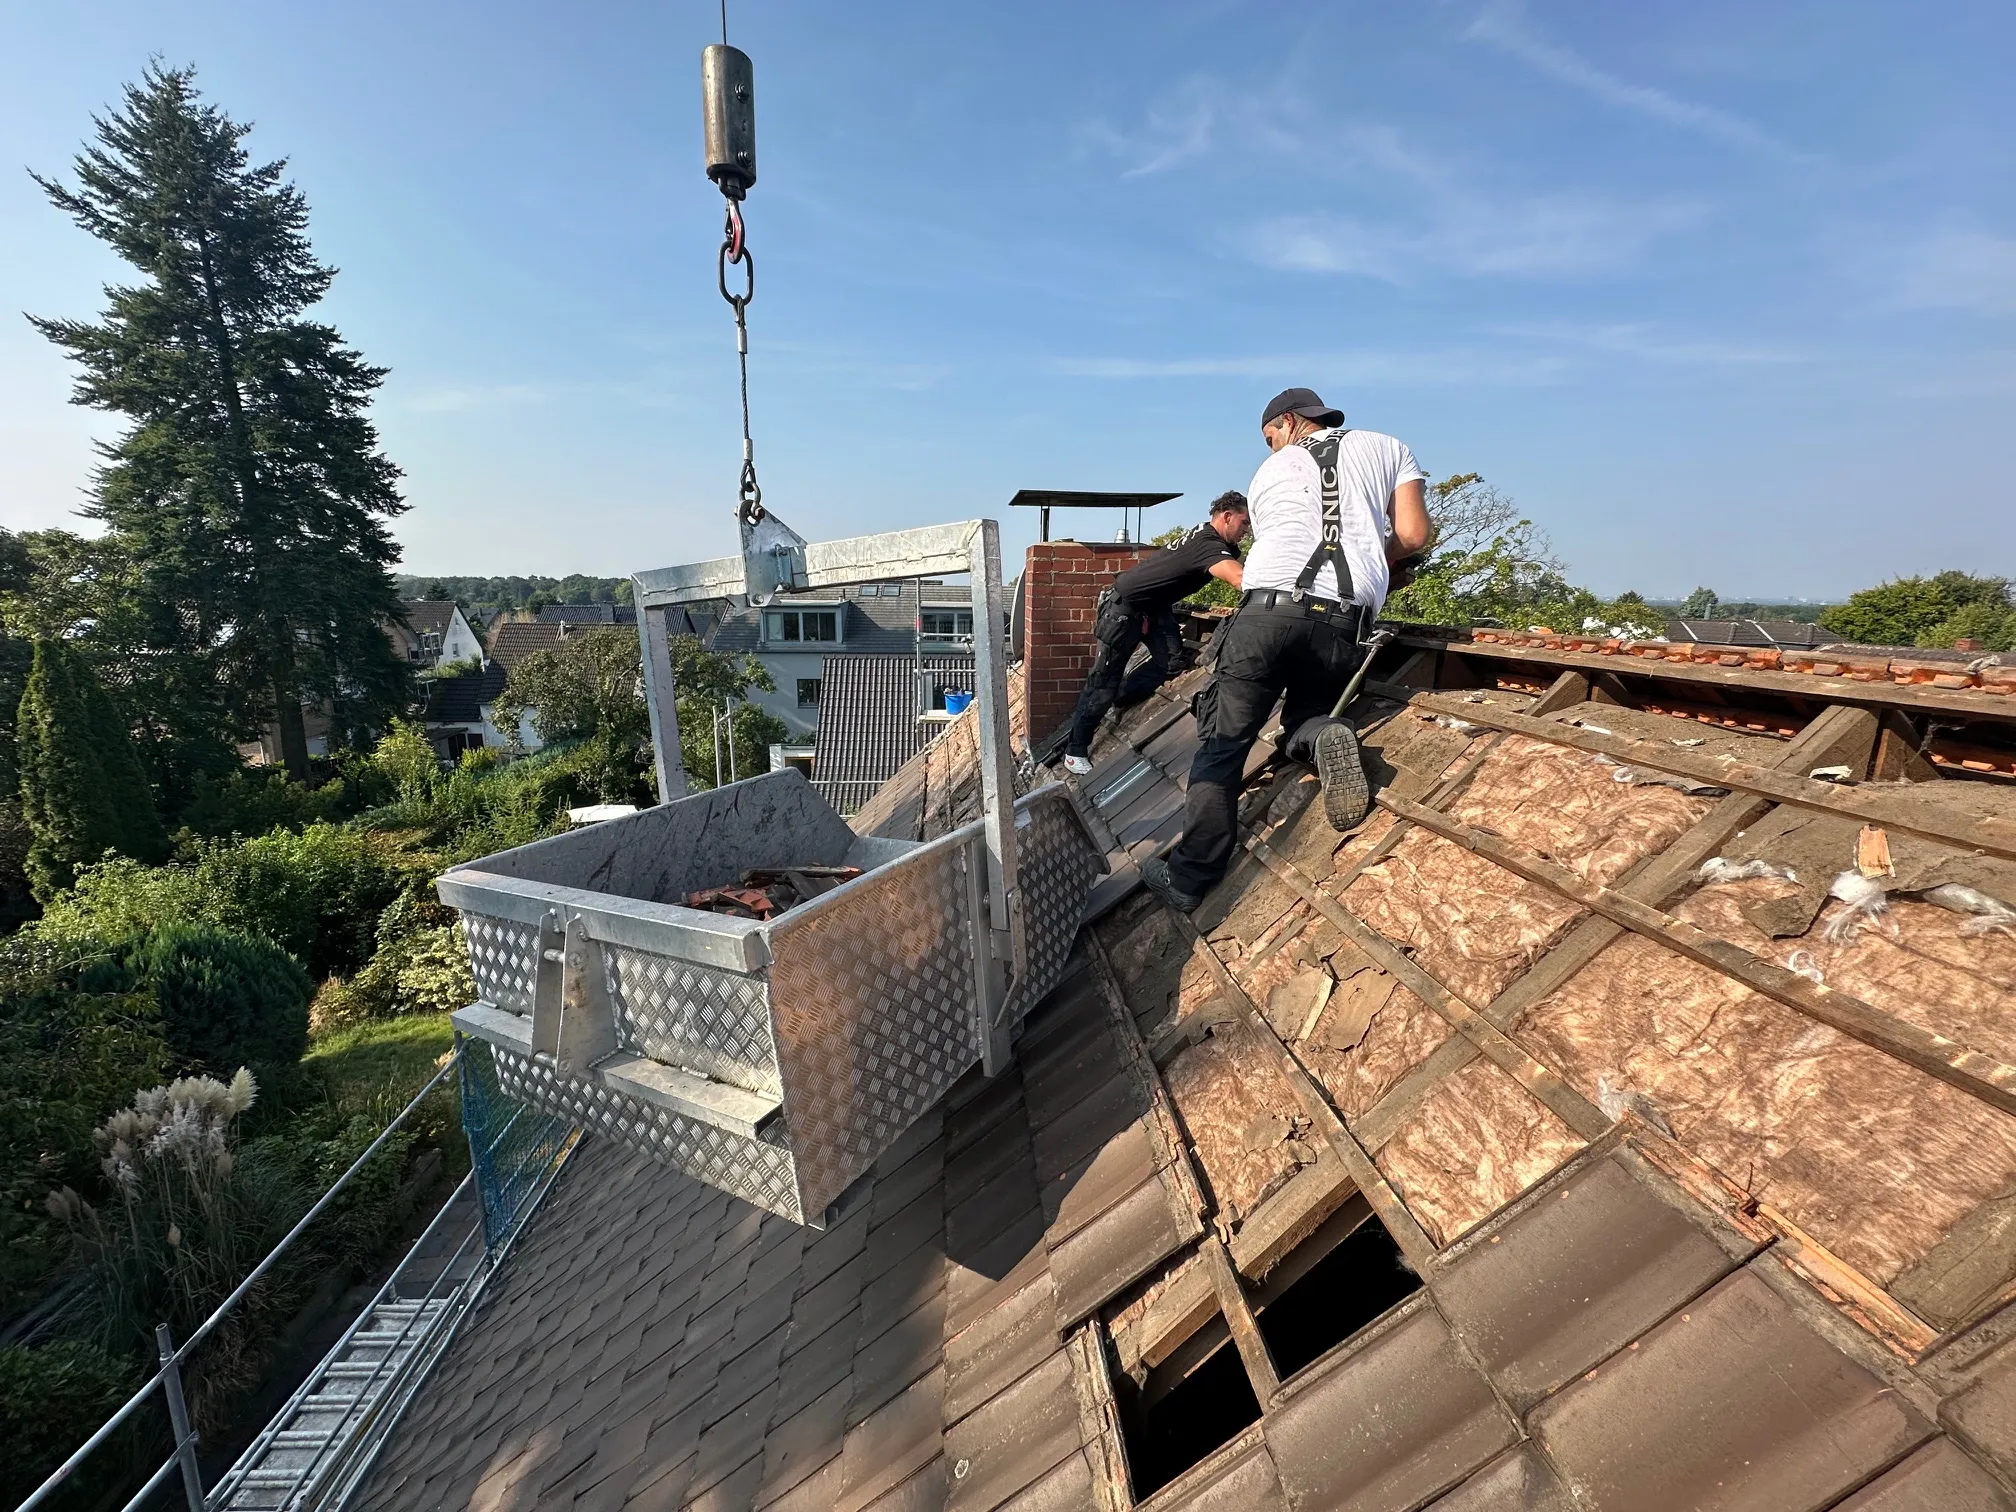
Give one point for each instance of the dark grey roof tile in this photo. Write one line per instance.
(1000, 1150)
(1388, 1421)
(801, 1441)
(921, 1492)
(985, 1277)
(1233, 1479)
(991, 1101)
(1519, 1480)
(1938, 1478)
(816, 1491)
(920, 1220)
(733, 1492)
(1984, 1415)
(868, 708)
(905, 1286)
(1067, 1488)
(1014, 1439)
(1000, 1346)
(1091, 1186)
(999, 1207)
(814, 1311)
(1113, 1251)
(1734, 1399)
(827, 1252)
(894, 1443)
(1575, 1275)
(826, 1360)
(886, 1364)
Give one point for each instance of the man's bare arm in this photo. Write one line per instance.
(1232, 572)
(1410, 521)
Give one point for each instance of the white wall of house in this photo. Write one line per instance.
(528, 738)
(787, 669)
(459, 642)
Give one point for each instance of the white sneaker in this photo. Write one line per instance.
(1078, 766)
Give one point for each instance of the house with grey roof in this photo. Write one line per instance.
(435, 633)
(794, 636)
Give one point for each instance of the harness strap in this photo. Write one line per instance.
(1329, 549)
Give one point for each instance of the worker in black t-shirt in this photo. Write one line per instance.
(1140, 606)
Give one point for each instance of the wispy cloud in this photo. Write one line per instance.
(1963, 270)
(1176, 128)
(1474, 235)
(1503, 24)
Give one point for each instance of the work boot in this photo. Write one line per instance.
(1078, 766)
(1346, 795)
(1156, 877)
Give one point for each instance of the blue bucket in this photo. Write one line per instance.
(957, 703)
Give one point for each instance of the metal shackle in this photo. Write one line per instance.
(728, 102)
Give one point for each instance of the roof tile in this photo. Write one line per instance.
(1014, 1439)
(1733, 1399)
(1938, 1478)
(1519, 1480)
(1574, 1276)
(1389, 1421)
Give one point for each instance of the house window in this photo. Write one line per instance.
(881, 590)
(945, 624)
(800, 625)
(808, 692)
(430, 642)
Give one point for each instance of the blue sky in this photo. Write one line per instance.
(1720, 293)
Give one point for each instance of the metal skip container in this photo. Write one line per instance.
(774, 1059)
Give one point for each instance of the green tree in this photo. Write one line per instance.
(82, 790)
(591, 689)
(1702, 603)
(1486, 563)
(1900, 611)
(1993, 628)
(248, 495)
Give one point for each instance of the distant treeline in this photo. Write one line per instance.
(488, 595)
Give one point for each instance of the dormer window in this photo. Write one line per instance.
(946, 623)
(801, 626)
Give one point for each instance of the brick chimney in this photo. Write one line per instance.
(1061, 584)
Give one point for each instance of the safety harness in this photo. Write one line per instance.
(1330, 548)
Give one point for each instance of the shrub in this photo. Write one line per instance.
(227, 999)
(188, 1218)
(52, 1398)
(317, 895)
(71, 1049)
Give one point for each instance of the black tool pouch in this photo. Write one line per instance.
(1114, 621)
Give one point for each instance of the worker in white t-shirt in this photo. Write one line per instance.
(1331, 510)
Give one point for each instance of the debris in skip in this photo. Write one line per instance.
(766, 892)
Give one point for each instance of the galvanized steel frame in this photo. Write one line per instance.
(970, 546)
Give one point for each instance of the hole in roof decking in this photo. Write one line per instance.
(1362, 1279)
(1166, 1433)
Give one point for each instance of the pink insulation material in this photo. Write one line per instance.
(1477, 1141)
(1241, 1115)
(1403, 1033)
(1471, 925)
(1568, 806)
(1873, 1158)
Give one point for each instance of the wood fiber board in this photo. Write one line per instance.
(1477, 1141)
(1875, 1159)
(1222, 1088)
(1469, 924)
(1403, 1033)
(1566, 805)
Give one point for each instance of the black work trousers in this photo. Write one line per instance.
(1118, 631)
(1306, 651)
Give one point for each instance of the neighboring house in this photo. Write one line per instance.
(587, 614)
(435, 634)
(875, 713)
(457, 713)
(795, 636)
(511, 641)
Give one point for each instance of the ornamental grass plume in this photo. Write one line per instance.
(189, 1220)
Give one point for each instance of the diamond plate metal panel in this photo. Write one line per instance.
(713, 1022)
(1058, 866)
(504, 955)
(873, 1000)
(758, 1171)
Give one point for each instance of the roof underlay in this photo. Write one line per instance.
(1484, 1157)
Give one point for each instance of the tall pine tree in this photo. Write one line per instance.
(249, 494)
(82, 790)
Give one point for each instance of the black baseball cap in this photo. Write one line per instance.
(1303, 402)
